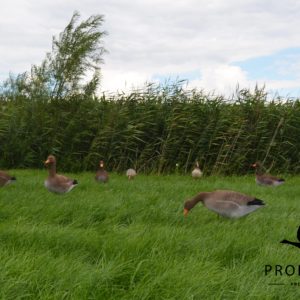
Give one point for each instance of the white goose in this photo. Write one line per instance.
(131, 173)
(197, 173)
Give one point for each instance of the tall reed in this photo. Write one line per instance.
(152, 129)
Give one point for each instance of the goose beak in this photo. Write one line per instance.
(47, 162)
(185, 212)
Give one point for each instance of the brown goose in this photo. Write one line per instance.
(226, 203)
(57, 183)
(131, 173)
(196, 173)
(101, 175)
(6, 179)
(265, 179)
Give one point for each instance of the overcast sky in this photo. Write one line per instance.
(214, 44)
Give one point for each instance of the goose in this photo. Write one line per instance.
(131, 173)
(265, 179)
(101, 175)
(6, 179)
(296, 244)
(226, 203)
(56, 183)
(196, 173)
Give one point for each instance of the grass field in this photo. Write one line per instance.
(129, 240)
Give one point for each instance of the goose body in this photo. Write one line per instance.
(226, 203)
(130, 173)
(101, 174)
(6, 179)
(56, 183)
(265, 179)
(197, 173)
(268, 180)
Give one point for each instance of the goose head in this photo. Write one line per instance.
(51, 160)
(254, 165)
(259, 169)
(101, 164)
(190, 203)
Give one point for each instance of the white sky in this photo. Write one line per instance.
(214, 44)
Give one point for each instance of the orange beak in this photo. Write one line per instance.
(185, 212)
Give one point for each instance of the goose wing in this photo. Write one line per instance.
(223, 208)
(3, 178)
(101, 175)
(231, 196)
(62, 181)
(4, 175)
(268, 179)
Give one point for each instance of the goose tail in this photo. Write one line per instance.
(256, 202)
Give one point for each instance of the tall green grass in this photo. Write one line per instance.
(152, 129)
(129, 240)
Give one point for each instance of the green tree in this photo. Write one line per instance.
(72, 67)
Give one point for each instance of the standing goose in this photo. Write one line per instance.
(6, 179)
(101, 175)
(131, 173)
(196, 173)
(57, 183)
(226, 203)
(265, 179)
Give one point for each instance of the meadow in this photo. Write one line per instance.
(130, 240)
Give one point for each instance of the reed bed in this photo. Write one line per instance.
(152, 129)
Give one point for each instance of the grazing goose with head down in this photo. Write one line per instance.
(265, 179)
(101, 175)
(6, 179)
(57, 183)
(226, 203)
(196, 173)
(131, 173)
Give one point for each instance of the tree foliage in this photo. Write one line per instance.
(76, 56)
